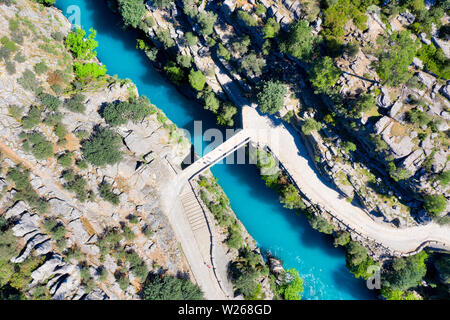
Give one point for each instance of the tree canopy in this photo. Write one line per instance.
(82, 48)
(132, 11)
(300, 41)
(324, 75)
(171, 288)
(271, 96)
(102, 148)
(291, 285)
(395, 57)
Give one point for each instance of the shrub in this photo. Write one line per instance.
(235, 237)
(89, 71)
(65, 160)
(260, 9)
(311, 126)
(102, 148)
(444, 178)
(82, 48)
(271, 96)
(55, 228)
(226, 114)
(271, 28)
(105, 191)
(174, 73)
(131, 11)
(342, 239)
(291, 285)
(247, 18)
(53, 119)
(10, 67)
(40, 147)
(320, 224)
(32, 119)
(206, 20)
(290, 198)
(418, 117)
(118, 113)
(128, 233)
(300, 40)
(171, 288)
(184, 60)
(253, 64)
(324, 75)
(197, 80)
(165, 38)
(24, 189)
(15, 111)
(349, 146)
(223, 52)
(50, 102)
(394, 59)
(76, 104)
(191, 39)
(435, 204)
(40, 67)
(78, 186)
(29, 81)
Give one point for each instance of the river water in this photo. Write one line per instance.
(277, 230)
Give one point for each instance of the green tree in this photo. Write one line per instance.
(206, 20)
(271, 96)
(171, 288)
(131, 11)
(342, 239)
(324, 75)
(226, 114)
(191, 39)
(197, 79)
(174, 72)
(105, 191)
(163, 3)
(210, 100)
(253, 64)
(406, 272)
(291, 285)
(89, 71)
(311, 126)
(76, 103)
(435, 204)
(102, 148)
(300, 40)
(271, 28)
(119, 113)
(320, 224)
(395, 57)
(82, 48)
(290, 198)
(247, 18)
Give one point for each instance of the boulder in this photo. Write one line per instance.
(445, 90)
(33, 242)
(28, 223)
(47, 269)
(18, 208)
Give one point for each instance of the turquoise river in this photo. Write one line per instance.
(277, 230)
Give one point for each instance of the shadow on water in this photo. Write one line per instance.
(275, 228)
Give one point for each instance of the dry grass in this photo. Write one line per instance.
(398, 130)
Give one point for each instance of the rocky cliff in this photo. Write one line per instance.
(83, 231)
